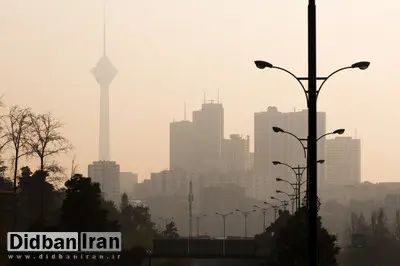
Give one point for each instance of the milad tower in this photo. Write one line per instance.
(104, 171)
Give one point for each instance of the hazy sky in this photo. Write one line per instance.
(168, 52)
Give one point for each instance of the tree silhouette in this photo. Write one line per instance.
(16, 126)
(45, 139)
(290, 239)
(170, 230)
(82, 210)
(37, 197)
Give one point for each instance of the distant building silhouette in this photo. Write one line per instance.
(181, 142)
(236, 153)
(209, 133)
(270, 146)
(343, 161)
(127, 182)
(197, 146)
(107, 174)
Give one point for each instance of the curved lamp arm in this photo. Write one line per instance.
(330, 75)
(285, 164)
(301, 143)
(291, 184)
(298, 80)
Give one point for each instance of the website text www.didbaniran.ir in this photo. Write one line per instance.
(64, 245)
(63, 256)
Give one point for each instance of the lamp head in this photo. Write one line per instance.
(272, 197)
(278, 179)
(361, 65)
(276, 162)
(339, 131)
(278, 191)
(321, 161)
(262, 64)
(278, 129)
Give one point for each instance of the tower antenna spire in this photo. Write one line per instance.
(104, 28)
(184, 111)
(218, 95)
(204, 100)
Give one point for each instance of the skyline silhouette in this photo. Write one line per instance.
(156, 77)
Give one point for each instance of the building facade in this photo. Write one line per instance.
(343, 161)
(270, 146)
(107, 174)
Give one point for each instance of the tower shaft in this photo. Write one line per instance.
(104, 138)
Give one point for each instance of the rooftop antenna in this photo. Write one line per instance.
(204, 99)
(184, 111)
(104, 28)
(355, 133)
(218, 95)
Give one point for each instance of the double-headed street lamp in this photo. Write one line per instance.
(311, 97)
(301, 140)
(264, 212)
(292, 198)
(245, 215)
(224, 216)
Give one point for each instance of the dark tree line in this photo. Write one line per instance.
(285, 241)
(380, 243)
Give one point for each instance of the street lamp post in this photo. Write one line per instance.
(284, 203)
(224, 216)
(298, 171)
(311, 97)
(275, 208)
(198, 223)
(245, 215)
(264, 212)
(292, 198)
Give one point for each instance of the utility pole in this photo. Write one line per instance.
(312, 135)
(190, 198)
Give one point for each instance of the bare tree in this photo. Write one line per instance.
(46, 140)
(16, 129)
(74, 167)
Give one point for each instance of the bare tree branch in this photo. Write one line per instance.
(16, 129)
(46, 140)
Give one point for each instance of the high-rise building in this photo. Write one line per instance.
(181, 142)
(271, 146)
(343, 161)
(127, 182)
(235, 153)
(208, 134)
(106, 173)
